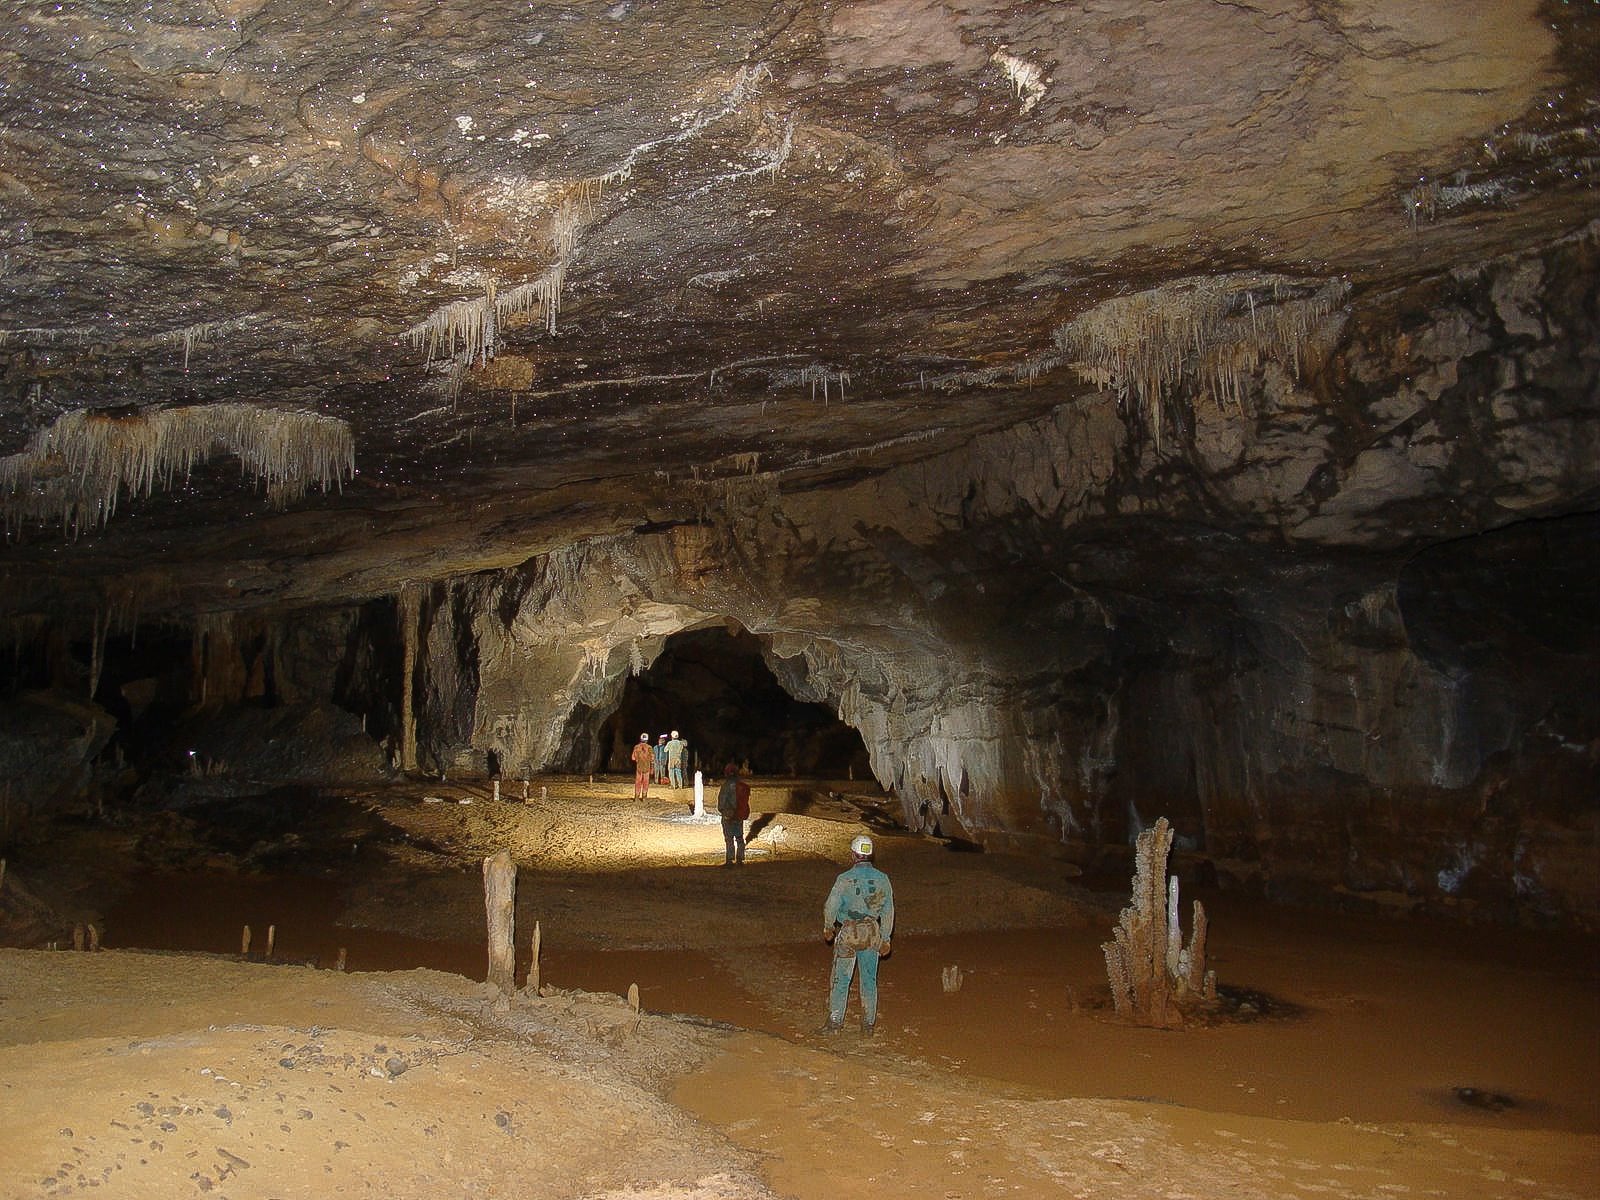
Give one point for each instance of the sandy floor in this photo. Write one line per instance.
(143, 1074)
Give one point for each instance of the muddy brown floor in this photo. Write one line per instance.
(1346, 1082)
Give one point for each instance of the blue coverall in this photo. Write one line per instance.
(858, 894)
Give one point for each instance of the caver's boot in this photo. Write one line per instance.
(868, 1028)
(832, 1025)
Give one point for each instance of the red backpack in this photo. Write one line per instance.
(742, 792)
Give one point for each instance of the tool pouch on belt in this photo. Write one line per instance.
(858, 934)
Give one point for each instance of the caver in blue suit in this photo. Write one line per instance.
(858, 920)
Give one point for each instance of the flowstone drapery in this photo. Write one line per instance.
(1155, 979)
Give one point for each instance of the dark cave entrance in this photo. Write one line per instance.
(714, 687)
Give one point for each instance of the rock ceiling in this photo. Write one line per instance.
(539, 268)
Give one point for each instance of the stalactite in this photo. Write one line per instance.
(197, 334)
(78, 468)
(468, 331)
(1215, 330)
(471, 327)
(98, 629)
(770, 162)
(922, 435)
(746, 84)
(409, 607)
(1027, 78)
(461, 326)
(541, 296)
(570, 219)
(1025, 371)
(214, 639)
(814, 374)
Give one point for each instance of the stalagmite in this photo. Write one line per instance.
(94, 937)
(244, 943)
(633, 996)
(499, 899)
(1154, 978)
(77, 937)
(533, 964)
(343, 958)
(699, 795)
(497, 791)
(272, 939)
(1174, 929)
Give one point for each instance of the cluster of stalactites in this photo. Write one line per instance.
(78, 468)
(469, 330)
(1216, 331)
(815, 374)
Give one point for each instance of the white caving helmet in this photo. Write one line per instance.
(644, 737)
(861, 846)
(674, 733)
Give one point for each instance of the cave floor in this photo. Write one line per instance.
(1344, 1083)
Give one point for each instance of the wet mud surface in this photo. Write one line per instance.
(1361, 1057)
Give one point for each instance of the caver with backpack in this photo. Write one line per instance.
(733, 806)
(858, 921)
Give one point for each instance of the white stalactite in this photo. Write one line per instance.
(77, 469)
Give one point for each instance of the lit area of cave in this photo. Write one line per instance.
(1105, 497)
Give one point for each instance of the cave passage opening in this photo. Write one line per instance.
(714, 686)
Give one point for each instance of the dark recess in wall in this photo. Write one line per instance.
(713, 686)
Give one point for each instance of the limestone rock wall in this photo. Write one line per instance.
(1061, 632)
(555, 640)
(48, 746)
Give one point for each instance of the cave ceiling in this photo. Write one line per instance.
(552, 265)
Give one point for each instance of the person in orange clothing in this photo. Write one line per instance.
(644, 764)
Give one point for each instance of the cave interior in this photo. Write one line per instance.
(1046, 417)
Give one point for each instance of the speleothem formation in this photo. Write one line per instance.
(1109, 411)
